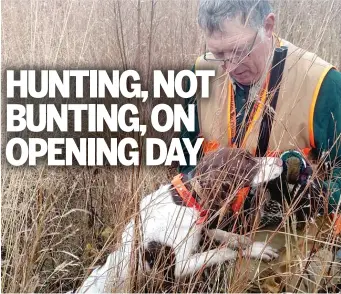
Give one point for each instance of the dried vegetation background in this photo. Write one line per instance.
(58, 222)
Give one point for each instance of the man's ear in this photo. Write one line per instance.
(269, 25)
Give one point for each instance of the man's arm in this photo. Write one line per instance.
(327, 132)
(191, 135)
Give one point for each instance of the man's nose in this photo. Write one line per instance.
(228, 66)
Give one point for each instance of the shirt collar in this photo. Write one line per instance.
(240, 86)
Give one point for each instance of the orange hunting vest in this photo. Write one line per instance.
(292, 127)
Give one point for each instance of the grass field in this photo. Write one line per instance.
(58, 222)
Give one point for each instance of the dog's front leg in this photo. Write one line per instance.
(195, 262)
(257, 250)
(231, 240)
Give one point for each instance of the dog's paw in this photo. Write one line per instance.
(259, 250)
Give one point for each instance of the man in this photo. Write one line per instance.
(240, 44)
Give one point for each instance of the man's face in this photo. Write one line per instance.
(245, 50)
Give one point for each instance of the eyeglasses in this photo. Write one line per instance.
(236, 58)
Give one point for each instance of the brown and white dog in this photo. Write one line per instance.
(168, 221)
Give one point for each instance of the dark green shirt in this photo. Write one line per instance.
(327, 128)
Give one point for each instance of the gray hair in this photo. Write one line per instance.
(212, 13)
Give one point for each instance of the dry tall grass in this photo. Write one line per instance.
(56, 222)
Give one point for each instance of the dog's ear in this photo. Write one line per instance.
(227, 167)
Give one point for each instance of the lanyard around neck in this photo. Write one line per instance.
(254, 116)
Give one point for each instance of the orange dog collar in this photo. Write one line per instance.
(188, 198)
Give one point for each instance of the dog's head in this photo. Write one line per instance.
(222, 173)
